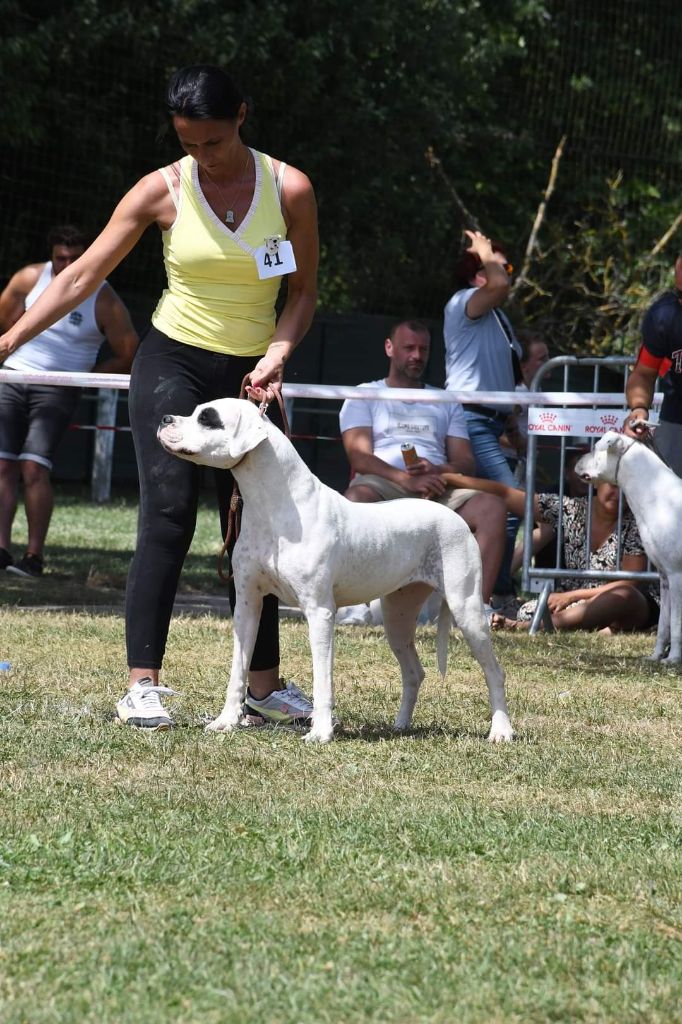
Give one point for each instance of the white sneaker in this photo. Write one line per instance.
(142, 707)
(282, 707)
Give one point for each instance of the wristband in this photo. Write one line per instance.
(634, 408)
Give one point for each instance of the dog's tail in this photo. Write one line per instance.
(444, 623)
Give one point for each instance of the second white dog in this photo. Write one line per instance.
(315, 549)
(654, 493)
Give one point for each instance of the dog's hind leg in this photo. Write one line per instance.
(675, 613)
(400, 610)
(470, 617)
(247, 611)
(321, 632)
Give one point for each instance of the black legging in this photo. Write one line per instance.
(172, 378)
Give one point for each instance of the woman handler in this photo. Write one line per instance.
(233, 222)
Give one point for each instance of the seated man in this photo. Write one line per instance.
(374, 431)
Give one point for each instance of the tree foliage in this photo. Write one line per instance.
(594, 277)
(356, 97)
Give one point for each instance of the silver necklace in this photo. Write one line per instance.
(229, 215)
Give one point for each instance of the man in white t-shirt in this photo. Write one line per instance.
(373, 432)
(34, 417)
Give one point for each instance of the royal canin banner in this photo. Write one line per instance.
(578, 422)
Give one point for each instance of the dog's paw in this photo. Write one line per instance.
(656, 656)
(671, 659)
(319, 735)
(223, 723)
(501, 730)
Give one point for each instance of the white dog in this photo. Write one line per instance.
(654, 493)
(313, 548)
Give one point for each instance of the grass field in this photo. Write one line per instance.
(88, 553)
(427, 878)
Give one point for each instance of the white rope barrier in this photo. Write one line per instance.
(521, 398)
(121, 382)
(117, 381)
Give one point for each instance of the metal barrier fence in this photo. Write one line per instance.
(564, 414)
(567, 423)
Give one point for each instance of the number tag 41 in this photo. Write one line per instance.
(275, 258)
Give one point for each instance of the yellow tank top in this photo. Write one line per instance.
(215, 299)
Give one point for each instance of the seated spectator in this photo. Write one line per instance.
(535, 353)
(574, 487)
(584, 604)
(373, 432)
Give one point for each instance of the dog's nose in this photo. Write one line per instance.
(167, 420)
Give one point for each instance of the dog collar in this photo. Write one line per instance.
(615, 474)
(620, 459)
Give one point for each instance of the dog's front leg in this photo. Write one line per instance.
(321, 633)
(663, 631)
(245, 623)
(675, 613)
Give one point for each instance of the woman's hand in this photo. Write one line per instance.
(480, 245)
(458, 480)
(266, 377)
(560, 600)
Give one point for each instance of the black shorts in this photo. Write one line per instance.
(33, 420)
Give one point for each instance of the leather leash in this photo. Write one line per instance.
(234, 516)
(646, 435)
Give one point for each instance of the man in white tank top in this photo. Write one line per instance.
(33, 418)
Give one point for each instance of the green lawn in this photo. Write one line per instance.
(89, 548)
(187, 877)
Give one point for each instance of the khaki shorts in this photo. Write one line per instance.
(454, 497)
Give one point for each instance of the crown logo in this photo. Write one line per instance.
(609, 420)
(547, 418)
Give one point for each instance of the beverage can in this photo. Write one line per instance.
(409, 454)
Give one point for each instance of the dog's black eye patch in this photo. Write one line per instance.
(210, 419)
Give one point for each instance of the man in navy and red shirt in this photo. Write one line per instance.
(660, 356)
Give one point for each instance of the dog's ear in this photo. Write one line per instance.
(246, 429)
(616, 442)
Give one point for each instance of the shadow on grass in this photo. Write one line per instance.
(586, 652)
(87, 576)
(367, 732)
(373, 732)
